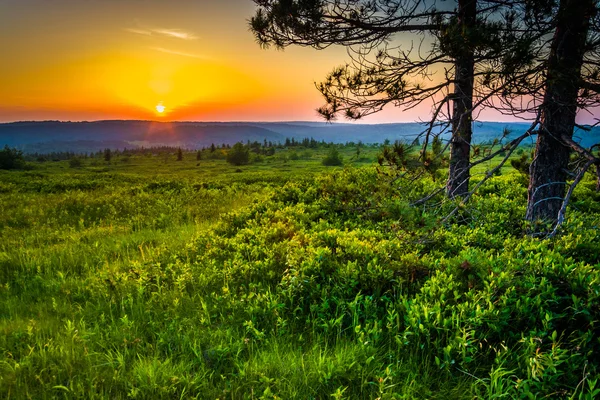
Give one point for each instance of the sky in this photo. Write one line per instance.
(195, 60)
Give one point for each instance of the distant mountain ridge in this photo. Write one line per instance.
(48, 136)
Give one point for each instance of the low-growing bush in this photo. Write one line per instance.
(238, 155)
(333, 158)
(11, 158)
(75, 162)
(320, 286)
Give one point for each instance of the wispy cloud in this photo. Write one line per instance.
(144, 32)
(179, 53)
(176, 33)
(172, 33)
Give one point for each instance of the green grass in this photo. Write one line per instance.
(154, 278)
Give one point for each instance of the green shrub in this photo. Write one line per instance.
(11, 158)
(238, 155)
(75, 162)
(333, 158)
(307, 287)
(521, 164)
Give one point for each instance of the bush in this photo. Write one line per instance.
(11, 158)
(75, 162)
(238, 155)
(521, 164)
(333, 158)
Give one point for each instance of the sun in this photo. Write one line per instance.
(160, 108)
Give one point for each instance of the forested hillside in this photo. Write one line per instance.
(43, 137)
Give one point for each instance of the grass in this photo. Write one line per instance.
(153, 278)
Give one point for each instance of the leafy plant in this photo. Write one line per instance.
(333, 158)
(238, 155)
(11, 158)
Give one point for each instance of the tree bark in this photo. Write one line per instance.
(559, 109)
(462, 118)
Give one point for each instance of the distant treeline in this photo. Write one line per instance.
(265, 148)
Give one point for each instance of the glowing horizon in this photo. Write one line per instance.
(82, 61)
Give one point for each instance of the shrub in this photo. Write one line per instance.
(333, 158)
(11, 158)
(238, 155)
(521, 164)
(75, 162)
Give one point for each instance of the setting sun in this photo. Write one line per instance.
(160, 108)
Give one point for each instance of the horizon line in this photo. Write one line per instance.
(244, 122)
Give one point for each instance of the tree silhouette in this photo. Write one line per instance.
(522, 57)
(461, 38)
(11, 158)
(560, 80)
(571, 83)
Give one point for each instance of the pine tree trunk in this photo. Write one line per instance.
(462, 126)
(549, 167)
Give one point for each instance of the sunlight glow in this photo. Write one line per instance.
(160, 108)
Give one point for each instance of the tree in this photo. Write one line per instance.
(238, 155)
(11, 158)
(107, 155)
(179, 154)
(333, 158)
(379, 73)
(560, 79)
(198, 155)
(75, 162)
(564, 93)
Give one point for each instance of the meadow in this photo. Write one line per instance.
(150, 278)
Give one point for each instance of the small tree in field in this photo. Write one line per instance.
(333, 158)
(107, 155)
(238, 155)
(11, 158)
(179, 154)
(76, 162)
(198, 155)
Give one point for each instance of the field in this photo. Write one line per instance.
(146, 277)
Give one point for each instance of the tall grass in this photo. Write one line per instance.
(133, 280)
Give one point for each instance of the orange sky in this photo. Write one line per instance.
(119, 59)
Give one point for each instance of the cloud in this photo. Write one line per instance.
(172, 33)
(179, 53)
(144, 32)
(176, 33)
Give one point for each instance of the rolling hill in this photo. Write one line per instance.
(48, 136)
